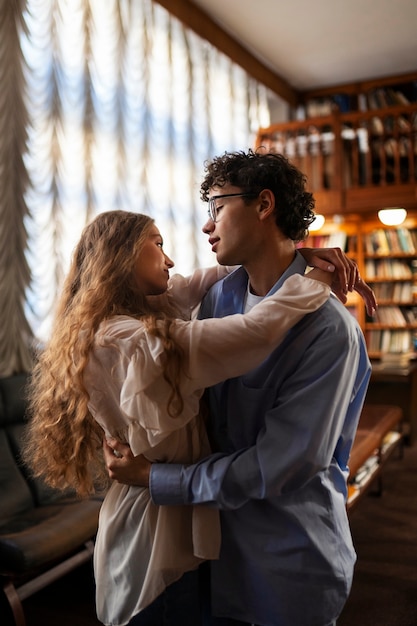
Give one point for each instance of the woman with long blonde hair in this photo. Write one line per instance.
(124, 360)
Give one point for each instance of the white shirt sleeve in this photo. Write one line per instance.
(188, 291)
(215, 349)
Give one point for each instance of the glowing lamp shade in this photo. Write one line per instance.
(318, 222)
(392, 216)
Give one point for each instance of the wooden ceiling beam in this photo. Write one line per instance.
(195, 18)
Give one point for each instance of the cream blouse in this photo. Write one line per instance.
(141, 548)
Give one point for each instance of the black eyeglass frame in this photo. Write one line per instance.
(212, 209)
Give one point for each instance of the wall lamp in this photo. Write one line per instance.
(392, 216)
(318, 222)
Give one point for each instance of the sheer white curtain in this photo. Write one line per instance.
(124, 105)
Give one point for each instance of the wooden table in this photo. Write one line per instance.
(391, 384)
(379, 434)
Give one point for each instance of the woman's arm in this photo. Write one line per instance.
(214, 349)
(187, 291)
(347, 277)
(219, 348)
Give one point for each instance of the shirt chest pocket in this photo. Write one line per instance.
(246, 410)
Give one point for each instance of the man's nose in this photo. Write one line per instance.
(208, 226)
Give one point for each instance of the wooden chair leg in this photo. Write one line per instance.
(14, 603)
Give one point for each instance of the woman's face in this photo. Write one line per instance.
(152, 265)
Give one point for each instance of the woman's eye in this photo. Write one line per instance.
(160, 244)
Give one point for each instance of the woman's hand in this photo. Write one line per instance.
(346, 274)
(123, 467)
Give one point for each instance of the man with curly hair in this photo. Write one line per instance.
(282, 433)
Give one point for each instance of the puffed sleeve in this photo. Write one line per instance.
(221, 348)
(188, 291)
(215, 349)
(145, 395)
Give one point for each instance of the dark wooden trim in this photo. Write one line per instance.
(358, 87)
(195, 18)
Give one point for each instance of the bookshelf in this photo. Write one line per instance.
(356, 143)
(391, 336)
(357, 146)
(366, 95)
(387, 260)
(390, 268)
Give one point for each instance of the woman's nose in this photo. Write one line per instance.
(169, 262)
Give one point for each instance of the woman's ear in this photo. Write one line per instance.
(266, 205)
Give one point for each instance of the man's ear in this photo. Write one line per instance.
(266, 206)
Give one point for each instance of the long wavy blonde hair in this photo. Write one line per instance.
(63, 441)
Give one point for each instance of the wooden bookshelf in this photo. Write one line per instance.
(390, 268)
(357, 144)
(387, 260)
(357, 147)
(390, 336)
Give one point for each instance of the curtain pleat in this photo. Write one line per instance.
(104, 105)
(15, 331)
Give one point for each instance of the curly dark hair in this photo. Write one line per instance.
(255, 171)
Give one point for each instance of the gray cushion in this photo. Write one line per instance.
(13, 393)
(15, 493)
(46, 533)
(38, 525)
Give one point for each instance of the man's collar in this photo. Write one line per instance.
(239, 278)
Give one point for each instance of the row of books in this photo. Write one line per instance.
(338, 239)
(314, 142)
(366, 470)
(370, 159)
(410, 315)
(383, 97)
(394, 269)
(320, 140)
(395, 292)
(392, 160)
(389, 440)
(379, 98)
(391, 241)
(396, 341)
(390, 124)
(395, 316)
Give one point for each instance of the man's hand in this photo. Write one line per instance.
(123, 467)
(347, 277)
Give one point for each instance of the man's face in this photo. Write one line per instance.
(233, 234)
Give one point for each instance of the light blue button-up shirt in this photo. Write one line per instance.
(283, 435)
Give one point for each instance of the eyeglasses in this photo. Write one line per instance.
(212, 208)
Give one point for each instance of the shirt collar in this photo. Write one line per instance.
(298, 266)
(239, 279)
